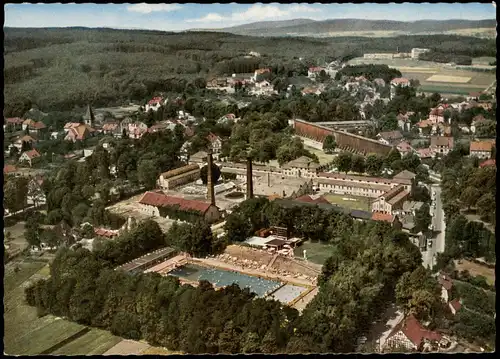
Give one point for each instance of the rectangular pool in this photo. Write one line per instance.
(221, 278)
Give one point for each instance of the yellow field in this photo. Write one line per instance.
(452, 79)
(426, 70)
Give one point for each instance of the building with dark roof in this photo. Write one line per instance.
(179, 176)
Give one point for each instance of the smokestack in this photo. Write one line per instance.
(249, 178)
(210, 182)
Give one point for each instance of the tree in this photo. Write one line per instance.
(358, 164)
(423, 218)
(147, 173)
(32, 231)
(374, 164)
(392, 156)
(15, 193)
(486, 207)
(470, 196)
(411, 161)
(329, 144)
(215, 174)
(344, 161)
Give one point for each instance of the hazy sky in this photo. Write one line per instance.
(176, 17)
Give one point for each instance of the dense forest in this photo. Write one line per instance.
(58, 69)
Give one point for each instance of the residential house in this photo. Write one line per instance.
(390, 137)
(34, 127)
(78, 132)
(412, 335)
(473, 96)
(441, 145)
(217, 82)
(179, 176)
(404, 122)
(405, 148)
(198, 158)
(13, 124)
(455, 306)
(488, 163)
(391, 201)
(260, 72)
(113, 129)
(301, 167)
(393, 220)
(476, 121)
(482, 149)
(437, 115)
(106, 233)
(425, 127)
(441, 129)
(29, 156)
(446, 286)
(310, 91)
(215, 142)
(424, 153)
(398, 82)
(24, 140)
(314, 72)
(9, 169)
(136, 129)
(408, 226)
(154, 104)
(159, 205)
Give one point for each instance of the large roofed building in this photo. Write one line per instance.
(179, 176)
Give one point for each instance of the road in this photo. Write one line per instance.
(429, 256)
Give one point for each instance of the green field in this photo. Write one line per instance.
(316, 252)
(27, 334)
(360, 203)
(324, 158)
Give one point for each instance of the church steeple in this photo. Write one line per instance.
(89, 118)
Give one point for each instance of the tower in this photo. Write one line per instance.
(210, 182)
(249, 178)
(89, 118)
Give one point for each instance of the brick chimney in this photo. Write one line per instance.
(210, 183)
(249, 178)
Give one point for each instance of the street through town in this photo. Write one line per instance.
(439, 226)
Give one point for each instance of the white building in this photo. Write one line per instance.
(415, 52)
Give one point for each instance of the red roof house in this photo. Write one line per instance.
(411, 334)
(9, 169)
(488, 163)
(455, 306)
(29, 156)
(309, 199)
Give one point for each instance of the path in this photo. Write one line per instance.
(439, 225)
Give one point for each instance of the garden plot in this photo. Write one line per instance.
(451, 79)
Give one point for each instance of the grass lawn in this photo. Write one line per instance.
(316, 252)
(346, 201)
(476, 269)
(324, 158)
(94, 342)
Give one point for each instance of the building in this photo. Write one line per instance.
(488, 163)
(136, 129)
(29, 156)
(34, 127)
(310, 91)
(479, 119)
(411, 334)
(481, 149)
(217, 82)
(154, 104)
(113, 129)
(424, 153)
(437, 115)
(301, 167)
(89, 118)
(260, 72)
(13, 124)
(379, 56)
(411, 207)
(198, 158)
(404, 148)
(161, 205)
(455, 306)
(391, 201)
(398, 82)
(404, 122)
(446, 286)
(441, 145)
(147, 261)
(393, 220)
(416, 52)
(215, 142)
(390, 137)
(314, 72)
(312, 199)
(78, 132)
(26, 140)
(9, 169)
(179, 176)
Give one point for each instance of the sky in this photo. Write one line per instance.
(178, 17)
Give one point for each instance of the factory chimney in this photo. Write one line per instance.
(210, 182)
(249, 178)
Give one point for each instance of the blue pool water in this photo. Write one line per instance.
(221, 278)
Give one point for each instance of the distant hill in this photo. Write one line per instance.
(343, 27)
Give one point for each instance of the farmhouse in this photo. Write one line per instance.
(301, 167)
(441, 145)
(160, 205)
(179, 176)
(29, 156)
(482, 149)
(412, 335)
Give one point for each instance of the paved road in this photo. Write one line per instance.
(429, 256)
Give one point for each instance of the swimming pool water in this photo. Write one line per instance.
(221, 278)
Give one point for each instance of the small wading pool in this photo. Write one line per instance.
(221, 278)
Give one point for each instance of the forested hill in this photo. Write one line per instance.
(58, 69)
(325, 27)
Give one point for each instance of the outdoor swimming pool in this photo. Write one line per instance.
(221, 278)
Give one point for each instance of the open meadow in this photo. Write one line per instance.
(476, 269)
(316, 252)
(351, 202)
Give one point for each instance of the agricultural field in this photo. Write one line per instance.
(351, 202)
(316, 252)
(436, 77)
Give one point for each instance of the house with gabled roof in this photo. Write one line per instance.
(34, 127)
(482, 149)
(441, 145)
(29, 156)
(161, 205)
(78, 132)
(26, 139)
(215, 142)
(390, 137)
(391, 201)
(155, 103)
(412, 335)
(13, 124)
